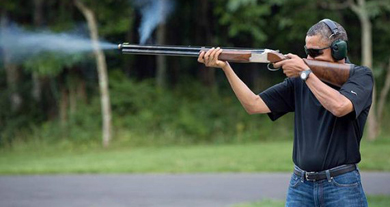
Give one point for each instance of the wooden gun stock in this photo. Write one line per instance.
(333, 73)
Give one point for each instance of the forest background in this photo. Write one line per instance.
(100, 97)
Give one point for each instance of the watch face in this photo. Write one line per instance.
(303, 76)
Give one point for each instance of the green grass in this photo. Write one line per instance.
(250, 157)
(174, 159)
(373, 201)
(378, 201)
(375, 155)
(263, 203)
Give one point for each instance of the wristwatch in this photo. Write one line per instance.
(305, 74)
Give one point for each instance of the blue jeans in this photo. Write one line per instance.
(342, 191)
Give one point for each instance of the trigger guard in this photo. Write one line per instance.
(272, 69)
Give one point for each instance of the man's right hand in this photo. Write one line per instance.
(210, 58)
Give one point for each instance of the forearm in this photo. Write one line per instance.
(329, 98)
(250, 101)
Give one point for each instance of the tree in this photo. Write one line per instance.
(361, 10)
(161, 73)
(38, 22)
(12, 70)
(366, 11)
(207, 75)
(102, 70)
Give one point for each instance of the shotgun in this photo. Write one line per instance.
(332, 73)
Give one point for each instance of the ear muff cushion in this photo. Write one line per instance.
(339, 49)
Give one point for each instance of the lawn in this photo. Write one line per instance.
(251, 157)
(373, 201)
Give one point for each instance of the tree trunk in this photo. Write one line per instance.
(127, 61)
(102, 71)
(367, 61)
(38, 22)
(161, 59)
(207, 74)
(13, 75)
(73, 96)
(383, 96)
(81, 91)
(366, 28)
(64, 105)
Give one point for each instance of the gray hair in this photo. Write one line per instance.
(326, 34)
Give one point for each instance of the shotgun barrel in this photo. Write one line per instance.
(188, 51)
(159, 50)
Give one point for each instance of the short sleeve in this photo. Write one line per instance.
(279, 99)
(358, 89)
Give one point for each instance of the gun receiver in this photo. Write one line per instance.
(332, 73)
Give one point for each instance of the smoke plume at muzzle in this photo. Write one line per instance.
(18, 44)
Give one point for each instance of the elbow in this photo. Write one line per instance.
(251, 111)
(254, 106)
(337, 113)
(340, 110)
(342, 107)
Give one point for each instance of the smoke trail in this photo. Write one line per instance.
(153, 13)
(19, 44)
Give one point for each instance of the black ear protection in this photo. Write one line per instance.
(338, 47)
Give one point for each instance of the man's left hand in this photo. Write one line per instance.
(292, 66)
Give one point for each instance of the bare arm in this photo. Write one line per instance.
(331, 99)
(251, 102)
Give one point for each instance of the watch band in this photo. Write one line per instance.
(305, 74)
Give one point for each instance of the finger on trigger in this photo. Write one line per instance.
(280, 63)
(290, 55)
(277, 64)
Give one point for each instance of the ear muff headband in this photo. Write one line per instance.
(332, 26)
(338, 47)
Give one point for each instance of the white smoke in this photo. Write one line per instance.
(153, 13)
(19, 44)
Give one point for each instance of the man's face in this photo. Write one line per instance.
(316, 42)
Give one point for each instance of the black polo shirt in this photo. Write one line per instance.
(322, 140)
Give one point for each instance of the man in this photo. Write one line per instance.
(329, 120)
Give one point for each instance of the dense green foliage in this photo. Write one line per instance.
(146, 115)
(195, 106)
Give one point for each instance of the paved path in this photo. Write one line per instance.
(155, 189)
